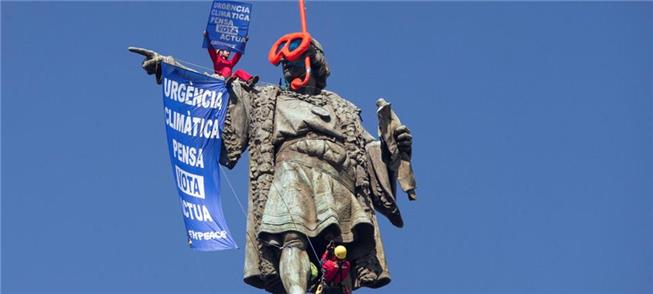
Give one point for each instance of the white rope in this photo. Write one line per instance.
(233, 191)
(194, 64)
(242, 208)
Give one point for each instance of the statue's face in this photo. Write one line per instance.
(292, 70)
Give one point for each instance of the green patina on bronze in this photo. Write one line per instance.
(315, 175)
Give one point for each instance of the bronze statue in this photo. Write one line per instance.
(315, 175)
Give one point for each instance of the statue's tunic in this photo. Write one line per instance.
(313, 186)
(308, 173)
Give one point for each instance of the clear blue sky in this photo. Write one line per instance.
(533, 127)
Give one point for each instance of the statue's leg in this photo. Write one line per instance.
(294, 265)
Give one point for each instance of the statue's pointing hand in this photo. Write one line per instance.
(152, 61)
(404, 140)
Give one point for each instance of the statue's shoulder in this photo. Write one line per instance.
(241, 90)
(332, 95)
(268, 91)
(341, 102)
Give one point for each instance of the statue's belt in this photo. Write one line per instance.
(340, 174)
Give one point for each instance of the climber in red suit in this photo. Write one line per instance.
(335, 268)
(222, 65)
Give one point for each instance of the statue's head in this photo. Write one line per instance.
(291, 51)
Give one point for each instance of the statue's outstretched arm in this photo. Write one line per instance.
(152, 62)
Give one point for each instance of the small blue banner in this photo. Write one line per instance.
(228, 25)
(194, 107)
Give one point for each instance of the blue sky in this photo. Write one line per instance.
(533, 127)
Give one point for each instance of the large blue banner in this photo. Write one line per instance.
(228, 25)
(195, 106)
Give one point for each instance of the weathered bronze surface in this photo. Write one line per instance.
(315, 175)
